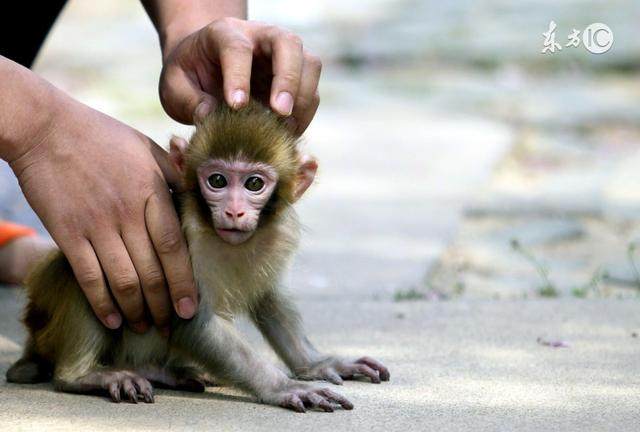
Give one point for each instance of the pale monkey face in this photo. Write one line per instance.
(236, 192)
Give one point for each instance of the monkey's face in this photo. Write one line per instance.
(236, 191)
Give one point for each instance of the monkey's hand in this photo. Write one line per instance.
(335, 369)
(299, 396)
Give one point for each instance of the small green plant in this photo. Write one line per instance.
(579, 292)
(548, 288)
(548, 291)
(410, 294)
(593, 286)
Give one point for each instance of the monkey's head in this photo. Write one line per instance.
(244, 167)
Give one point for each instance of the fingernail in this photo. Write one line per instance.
(113, 320)
(284, 103)
(186, 308)
(238, 98)
(202, 110)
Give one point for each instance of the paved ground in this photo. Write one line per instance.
(457, 163)
(465, 365)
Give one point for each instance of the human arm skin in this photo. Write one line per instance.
(212, 53)
(99, 188)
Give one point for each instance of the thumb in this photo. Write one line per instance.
(182, 98)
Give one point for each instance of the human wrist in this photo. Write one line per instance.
(187, 21)
(174, 33)
(34, 109)
(42, 141)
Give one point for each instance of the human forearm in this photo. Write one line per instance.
(176, 19)
(27, 111)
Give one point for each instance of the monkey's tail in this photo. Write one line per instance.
(30, 369)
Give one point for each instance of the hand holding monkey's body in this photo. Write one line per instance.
(241, 173)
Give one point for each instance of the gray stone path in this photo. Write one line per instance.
(456, 162)
(467, 365)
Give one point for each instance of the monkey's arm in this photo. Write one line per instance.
(215, 344)
(279, 322)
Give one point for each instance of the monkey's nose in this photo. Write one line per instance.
(238, 215)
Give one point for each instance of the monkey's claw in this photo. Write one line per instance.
(371, 368)
(334, 370)
(127, 385)
(300, 397)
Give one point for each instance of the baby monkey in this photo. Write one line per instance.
(241, 173)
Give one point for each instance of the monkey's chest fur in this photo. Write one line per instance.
(231, 280)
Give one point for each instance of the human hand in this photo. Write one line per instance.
(99, 187)
(229, 59)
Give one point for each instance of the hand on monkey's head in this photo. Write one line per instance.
(246, 168)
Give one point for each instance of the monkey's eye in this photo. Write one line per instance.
(217, 181)
(254, 184)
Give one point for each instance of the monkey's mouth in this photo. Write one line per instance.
(230, 230)
(233, 235)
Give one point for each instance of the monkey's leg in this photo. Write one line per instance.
(279, 322)
(214, 343)
(84, 354)
(118, 384)
(178, 376)
(83, 367)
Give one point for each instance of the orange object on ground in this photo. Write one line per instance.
(10, 231)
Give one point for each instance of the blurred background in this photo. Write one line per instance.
(456, 158)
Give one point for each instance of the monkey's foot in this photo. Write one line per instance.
(335, 370)
(119, 384)
(299, 396)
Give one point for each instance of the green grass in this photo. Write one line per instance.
(548, 291)
(579, 292)
(547, 288)
(410, 294)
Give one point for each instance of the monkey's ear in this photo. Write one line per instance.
(177, 149)
(304, 177)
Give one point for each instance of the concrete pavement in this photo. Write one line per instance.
(463, 365)
(404, 147)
